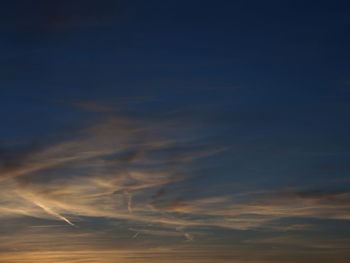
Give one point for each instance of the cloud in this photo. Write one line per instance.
(304, 242)
(156, 232)
(113, 170)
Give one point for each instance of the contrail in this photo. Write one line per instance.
(135, 236)
(51, 212)
(30, 197)
(129, 199)
(188, 236)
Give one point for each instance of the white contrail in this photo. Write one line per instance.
(51, 212)
(30, 197)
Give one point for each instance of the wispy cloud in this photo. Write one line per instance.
(134, 171)
(107, 170)
(123, 169)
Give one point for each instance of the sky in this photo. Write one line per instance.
(174, 131)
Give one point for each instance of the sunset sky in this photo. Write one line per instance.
(174, 131)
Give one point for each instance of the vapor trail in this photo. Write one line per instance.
(51, 212)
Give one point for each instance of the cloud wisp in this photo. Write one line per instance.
(136, 176)
(107, 170)
(123, 169)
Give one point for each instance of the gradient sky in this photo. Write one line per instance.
(174, 131)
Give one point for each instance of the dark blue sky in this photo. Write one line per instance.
(274, 74)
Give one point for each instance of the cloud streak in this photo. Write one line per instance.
(124, 168)
(108, 170)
